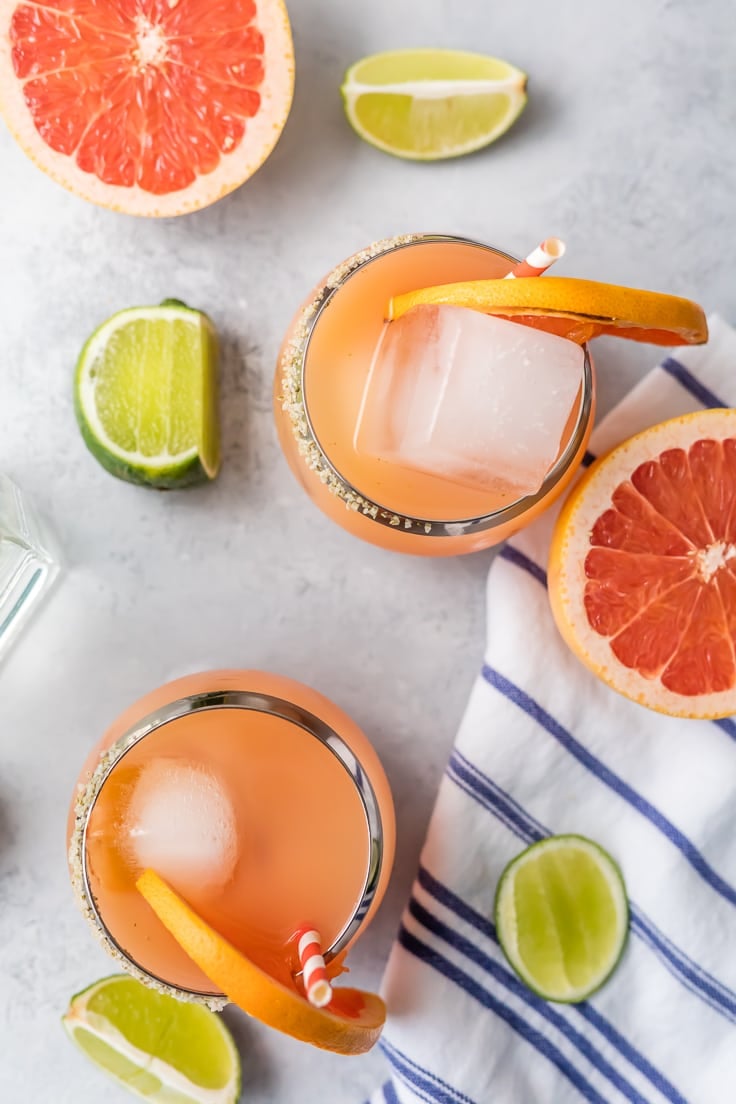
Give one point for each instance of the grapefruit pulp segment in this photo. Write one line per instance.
(667, 485)
(148, 106)
(652, 639)
(643, 566)
(726, 584)
(622, 584)
(703, 662)
(632, 525)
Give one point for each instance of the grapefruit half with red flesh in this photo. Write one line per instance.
(151, 107)
(642, 567)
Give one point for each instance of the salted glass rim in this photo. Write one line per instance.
(376, 511)
(248, 700)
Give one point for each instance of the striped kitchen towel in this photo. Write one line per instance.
(544, 747)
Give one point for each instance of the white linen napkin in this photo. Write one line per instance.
(545, 747)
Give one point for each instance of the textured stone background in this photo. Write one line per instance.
(626, 150)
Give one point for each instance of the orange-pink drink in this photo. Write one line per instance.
(321, 375)
(259, 800)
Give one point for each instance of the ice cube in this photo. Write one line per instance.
(181, 823)
(478, 400)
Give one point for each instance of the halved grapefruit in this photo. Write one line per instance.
(150, 107)
(642, 571)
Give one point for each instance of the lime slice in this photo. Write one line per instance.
(145, 395)
(562, 917)
(158, 1047)
(430, 104)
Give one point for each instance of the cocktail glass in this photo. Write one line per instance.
(321, 373)
(314, 819)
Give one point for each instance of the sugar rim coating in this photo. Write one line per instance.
(291, 366)
(85, 800)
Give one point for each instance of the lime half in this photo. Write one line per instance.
(145, 395)
(429, 104)
(562, 917)
(160, 1048)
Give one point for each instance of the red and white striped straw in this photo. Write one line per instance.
(316, 982)
(539, 259)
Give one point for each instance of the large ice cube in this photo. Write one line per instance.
(181, 823)
(476, 399)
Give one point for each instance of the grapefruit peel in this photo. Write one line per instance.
(351, 1024)
(577, 309)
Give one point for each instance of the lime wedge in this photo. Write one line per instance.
(145, 395)
(562, 917)
(157, 1047)
(429, 104)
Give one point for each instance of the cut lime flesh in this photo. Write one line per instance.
(161, 1049)
(562, 917)
(146, 395)
(427, 105)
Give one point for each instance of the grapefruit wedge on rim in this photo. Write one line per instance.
(150, 107)
(576, 309)
(642, 570)
(350, 1024)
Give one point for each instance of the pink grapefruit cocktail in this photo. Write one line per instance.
(259, 800)
(323, 366)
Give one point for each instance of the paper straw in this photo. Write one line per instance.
(539, 259)
(316, 983)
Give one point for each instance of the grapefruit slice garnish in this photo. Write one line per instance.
(642, 571)
(350, 1024)
(576, 309)
(152, 107)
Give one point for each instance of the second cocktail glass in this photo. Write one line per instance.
(258, 800)
(320, 379)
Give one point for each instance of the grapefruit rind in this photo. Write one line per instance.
(597, 307)
(255, 991)
(263, 132)
(588, 500)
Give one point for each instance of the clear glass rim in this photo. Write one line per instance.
(212, 700)
(432, 527)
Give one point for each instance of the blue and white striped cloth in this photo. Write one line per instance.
(544, 747)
